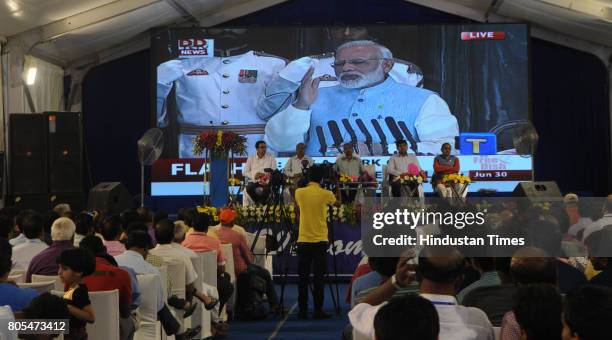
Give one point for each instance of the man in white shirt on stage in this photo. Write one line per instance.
(297, 163)
(399, 164)
(439, 270)
(257, 189)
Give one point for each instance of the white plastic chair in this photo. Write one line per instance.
(176, 272)
(150, 328)
(209, 277)
(58, 285)
(260, 257)
(230, 269)
(194, 321)
(106, 307)
(6, 316)
(497, 332)
(41, 287)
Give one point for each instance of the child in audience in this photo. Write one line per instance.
(74, 264)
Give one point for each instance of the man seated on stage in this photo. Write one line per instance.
(445, 164)
(401, 164)
(294, 169)
(349, 165)
(255, 171)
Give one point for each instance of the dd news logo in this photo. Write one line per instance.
(195, 47)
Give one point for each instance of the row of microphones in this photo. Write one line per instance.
(399, 130)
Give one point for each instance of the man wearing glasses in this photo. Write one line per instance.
(360, 106)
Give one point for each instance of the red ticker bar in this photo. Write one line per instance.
(483, 35)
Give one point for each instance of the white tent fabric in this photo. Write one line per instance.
(48, 88)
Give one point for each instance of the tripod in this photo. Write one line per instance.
(279, 227)
(335, 295)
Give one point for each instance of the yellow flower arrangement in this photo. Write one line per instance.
(233, 181)
(344, 178)
(212, 211)
(456, 179)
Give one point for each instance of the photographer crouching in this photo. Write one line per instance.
(312, 203)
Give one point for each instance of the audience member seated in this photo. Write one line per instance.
(529, 265)
(84, 227)
(74, 265)
(199, 242)
(30, 224)
(146, 217)
(587, 314)
(138, 245)
(213, 231)
(576, 215)
(62, 209)
(488, 276)
(605, 220)
(111, 232)
(243, 259)
(6, 227)
(10, 294)
(62, 231)
(46, 306)
(604, 264)
(438, 272)
(496, 300)
(383, 268)
(362, 268)
(167, 249)
(407, 317)
(48, 218)
(108, 276)
(537, 308)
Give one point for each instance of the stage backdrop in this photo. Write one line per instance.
(570, 97)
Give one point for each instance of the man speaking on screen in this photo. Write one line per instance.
(366, 107)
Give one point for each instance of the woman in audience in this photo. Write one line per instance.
(111, 231)
(538, 312)
(74, 265)
(10, 294)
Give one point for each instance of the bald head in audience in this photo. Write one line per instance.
(533, 265)
(440, 270)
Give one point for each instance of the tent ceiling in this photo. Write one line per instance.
(70, 30)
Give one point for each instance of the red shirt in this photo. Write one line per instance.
(108, 277)
(200, 243)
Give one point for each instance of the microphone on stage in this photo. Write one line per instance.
(336, 135)
(411, 140)
(366, 133)
(322, 141)
(351, 132)
(381, 134)
(305, 164)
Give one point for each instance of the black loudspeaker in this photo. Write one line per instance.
(538, 190)
(65, 152)
(27, 153)
(110, 197)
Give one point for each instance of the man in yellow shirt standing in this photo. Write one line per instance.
(313, 202)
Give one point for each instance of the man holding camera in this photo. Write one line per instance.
(313, 202)
(258, 170)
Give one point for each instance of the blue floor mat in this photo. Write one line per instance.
(292, 328)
